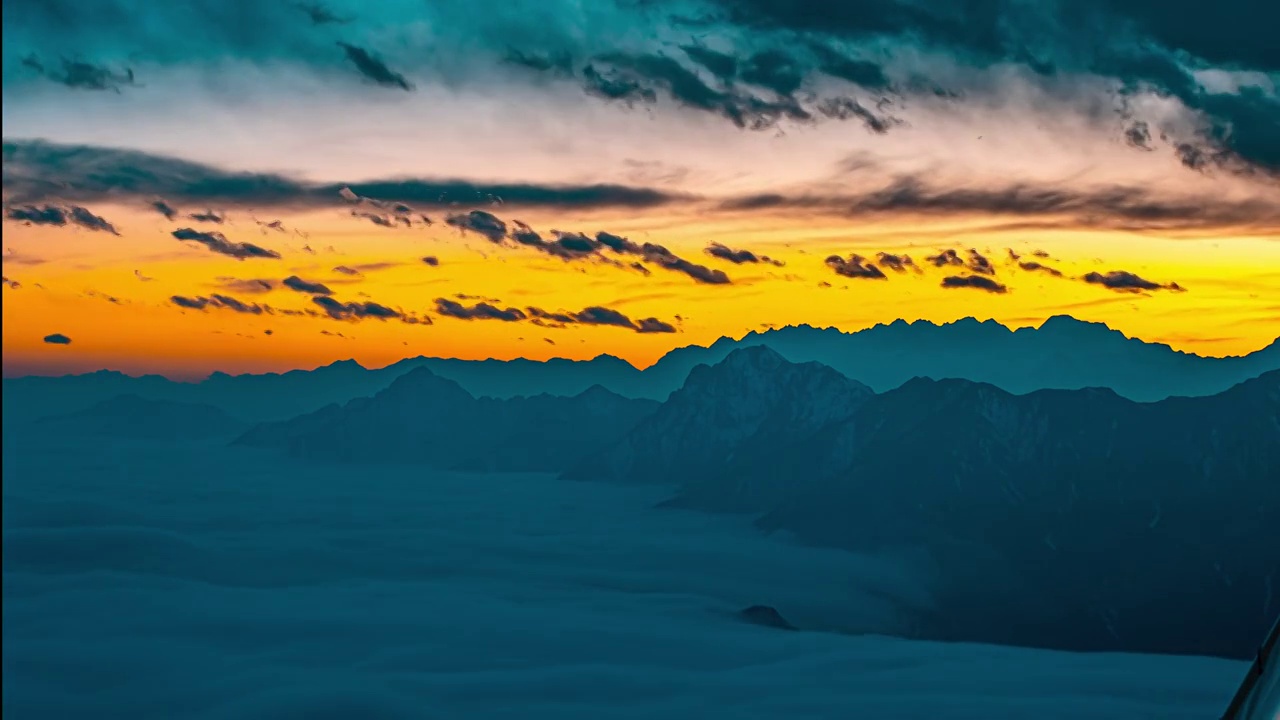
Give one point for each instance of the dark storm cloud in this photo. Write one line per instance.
(38, 171)
(57, 339)
(738, 257)
(1049, 39)
(479, 311)
(293, 282)
(855, 266)
(374, 69)
(59, 216)
(637, 51)
(1124, 281)
(1115, 206)
(754, 89)
(974, 281)
(218, 243)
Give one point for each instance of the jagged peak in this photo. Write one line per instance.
(422, 378)
(754, 356)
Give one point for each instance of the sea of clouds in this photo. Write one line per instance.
(197, 581)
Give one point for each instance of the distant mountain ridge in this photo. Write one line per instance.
(1063, 353)
(424, 418)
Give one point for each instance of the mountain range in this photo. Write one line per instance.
(1063, 353)
(1073, 519)
(1078, 518)
(424, 418)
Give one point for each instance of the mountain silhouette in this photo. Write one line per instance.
(1062, 518)
(424, 418)
(709, 436)
(1063, 353)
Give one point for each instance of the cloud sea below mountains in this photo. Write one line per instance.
(144, 580)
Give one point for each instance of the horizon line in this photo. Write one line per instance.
(606, 356)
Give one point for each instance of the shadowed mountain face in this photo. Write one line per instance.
(424, 418)
(714, 433)
(1071, 519)
(1063, 353)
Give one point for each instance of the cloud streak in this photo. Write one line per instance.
(59, 216)
(1125, 281)
(977, 282)
(218, 243)
(39, 171)
(594, 315)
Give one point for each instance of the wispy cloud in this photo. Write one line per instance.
(1125, 281)
(373, 68)
(39, 171)
(978, 282)
(218, 243)
(59, 216)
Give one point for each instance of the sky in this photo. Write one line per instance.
(253, 186)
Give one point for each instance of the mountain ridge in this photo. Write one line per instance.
(1063, 352)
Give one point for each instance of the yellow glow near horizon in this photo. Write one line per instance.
(68, 277)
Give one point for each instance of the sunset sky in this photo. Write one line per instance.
(255, 185)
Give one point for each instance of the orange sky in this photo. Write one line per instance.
(68, 278)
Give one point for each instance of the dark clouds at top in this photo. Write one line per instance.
(751, 62)
(36, 172)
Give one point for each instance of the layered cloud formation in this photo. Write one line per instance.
(713, 150)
